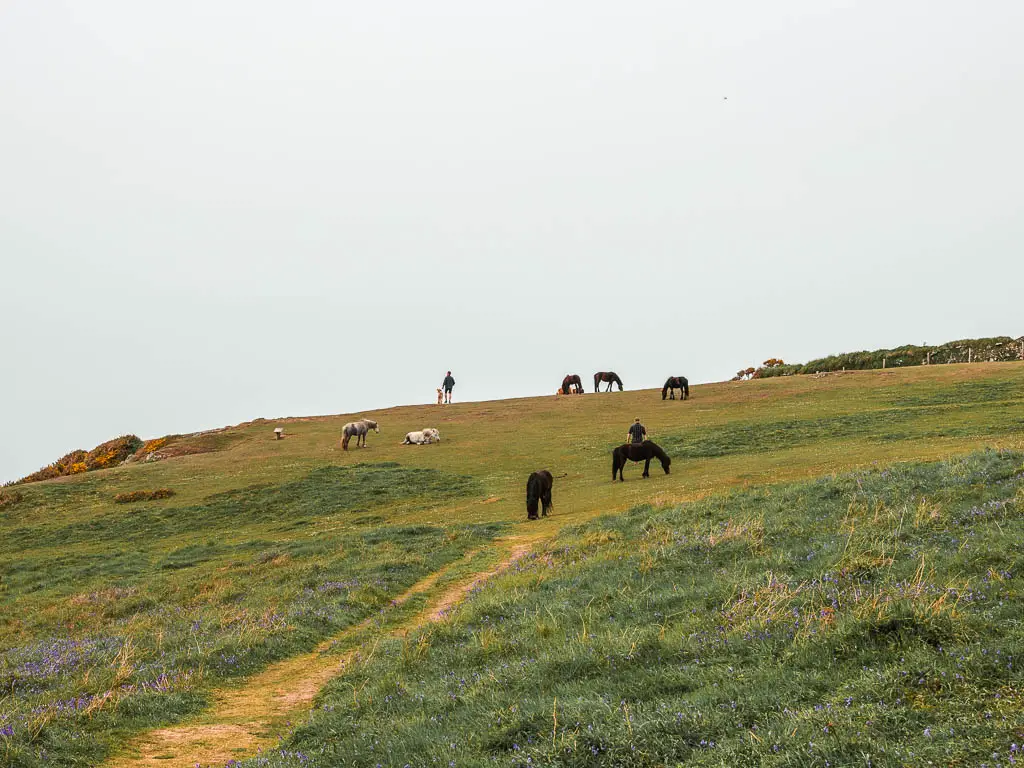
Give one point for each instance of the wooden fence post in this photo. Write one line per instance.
(970, 354)
(883, 362)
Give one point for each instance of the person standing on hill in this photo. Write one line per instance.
(637, 432)
(448, 385)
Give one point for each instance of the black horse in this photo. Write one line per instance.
(644, 452)
(609, 376)
(674, 383)
(570, 381)
(538, 488)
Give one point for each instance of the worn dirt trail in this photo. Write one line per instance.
(251, 716)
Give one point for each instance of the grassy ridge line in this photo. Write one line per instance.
(866, 619)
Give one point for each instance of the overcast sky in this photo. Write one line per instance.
(215, 211)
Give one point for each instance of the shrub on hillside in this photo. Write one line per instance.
(151, 446)
(996, 349)
(112, 452)
(108, 454)
(133, 496)
(172, 446)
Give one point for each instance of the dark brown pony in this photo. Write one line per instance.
(674, 383)
(644, 452)
(538, 488)
(611, 377)
(572, 380)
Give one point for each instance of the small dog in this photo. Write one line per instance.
(440, 397)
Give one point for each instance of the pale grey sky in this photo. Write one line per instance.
(214, 211)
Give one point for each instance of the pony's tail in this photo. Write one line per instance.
(344, 442)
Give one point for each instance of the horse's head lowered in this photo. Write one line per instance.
(664, 458)
(372, 425)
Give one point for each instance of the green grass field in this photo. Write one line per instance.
(785, 596)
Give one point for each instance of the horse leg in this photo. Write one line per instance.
(647, 467)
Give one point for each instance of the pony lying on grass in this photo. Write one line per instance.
(538, 488)
(644, 452)
(423, 437)
(359, 430)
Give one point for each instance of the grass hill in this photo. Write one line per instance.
(829, 575)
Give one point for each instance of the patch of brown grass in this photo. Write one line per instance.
(133, 496)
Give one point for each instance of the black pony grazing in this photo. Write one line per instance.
(674, 383)
(609, 376)
(538, 488)
(644, 452)
(570, 381)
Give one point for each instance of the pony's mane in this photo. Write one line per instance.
(657, 451)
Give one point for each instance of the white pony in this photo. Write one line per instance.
(423, 437)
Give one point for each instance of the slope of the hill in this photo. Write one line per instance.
(872, 618)
(119, 618)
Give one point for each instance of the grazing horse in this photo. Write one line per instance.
(538, 488)
(570, 381)
(645, 451)
(609, 376)
(359, 429)
(423, 437)
(674, 383)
